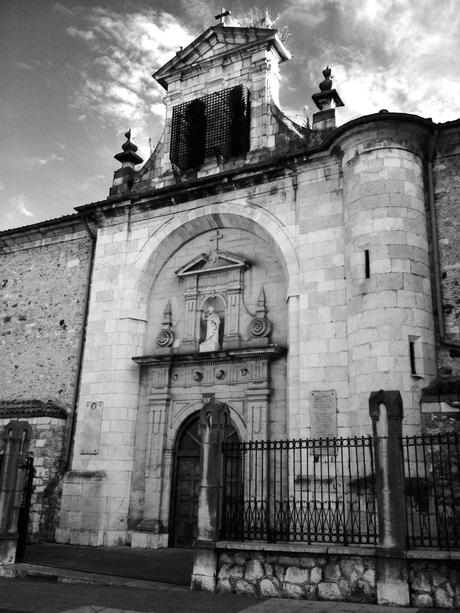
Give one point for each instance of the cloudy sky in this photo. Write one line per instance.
(76, 75)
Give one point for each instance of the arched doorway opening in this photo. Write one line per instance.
(186, 482)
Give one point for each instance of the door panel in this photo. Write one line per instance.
(187, 492)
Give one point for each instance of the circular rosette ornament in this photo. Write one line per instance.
(260, 326)
(165, 338)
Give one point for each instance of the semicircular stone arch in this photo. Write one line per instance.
(183, 227)
(256, 270)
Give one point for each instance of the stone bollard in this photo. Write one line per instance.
(16, 442)
(386, 411)
(214, 418)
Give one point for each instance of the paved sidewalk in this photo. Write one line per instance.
(70, 579)
(27, 596)
(163, 565)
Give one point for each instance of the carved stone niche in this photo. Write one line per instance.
(213, 285)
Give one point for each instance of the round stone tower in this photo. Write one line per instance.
(389, 310)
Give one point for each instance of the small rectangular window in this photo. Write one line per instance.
(367, 264)
(413, 369)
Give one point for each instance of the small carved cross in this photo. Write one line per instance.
(216, 238)
(221, 16)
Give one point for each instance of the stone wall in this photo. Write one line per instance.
(447, 202)
(46, 446)
(332, 573)
(435, 583)
(43, 286)
(308, 576)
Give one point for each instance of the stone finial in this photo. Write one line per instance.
(327, 83)
(128, 157)
(123, 178)
(327, 99)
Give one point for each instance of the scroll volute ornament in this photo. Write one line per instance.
(166, 336)
(260, 325)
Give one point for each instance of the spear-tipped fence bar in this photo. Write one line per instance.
(314, 491)
(432, 481)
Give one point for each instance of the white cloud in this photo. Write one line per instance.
(85, 35)
(117, 88)
(19, 208)
(24, 65)
(18, 213)
(396, 54)
(63, 9)
(35, 161)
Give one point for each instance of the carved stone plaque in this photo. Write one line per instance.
(91, 428)
(323, 414)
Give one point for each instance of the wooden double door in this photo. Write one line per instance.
(186, 483)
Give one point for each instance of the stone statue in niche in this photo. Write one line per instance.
(211, 341)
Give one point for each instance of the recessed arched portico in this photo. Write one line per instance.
(186, 479)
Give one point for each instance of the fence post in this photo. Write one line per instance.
(386, 412)
(16, 438)
(214, 418)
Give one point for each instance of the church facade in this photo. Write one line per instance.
(287, 271)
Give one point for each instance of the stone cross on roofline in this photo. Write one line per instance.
(221, 16)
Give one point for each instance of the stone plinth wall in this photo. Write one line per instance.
(435, 583)
(304, 575)
(321, 572)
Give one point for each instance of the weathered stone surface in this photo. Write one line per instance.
(240, 558)
(225, 558)
(296, 575)
(254, 570)
(236, 572)
(344, 587)
(243, 587)
(269, 588)
(288, 560)
(421, 583)
(292, 591)
(457, 596)
(223, 585)
(332, 571)
(359, 565)
(442, 599)
(362, 591)
(422, 600)
(316, 574)
(224, 572)
(306, 562)
(268, 568)
(329, 591)
(369, 575)
(348, 567)
(279, 572)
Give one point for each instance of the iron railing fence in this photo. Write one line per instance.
(309, 490)
(432, 478)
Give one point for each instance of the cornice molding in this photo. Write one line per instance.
(269, 352)
(31, 408)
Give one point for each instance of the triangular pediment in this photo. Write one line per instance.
(220, 41)
(216, 261)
